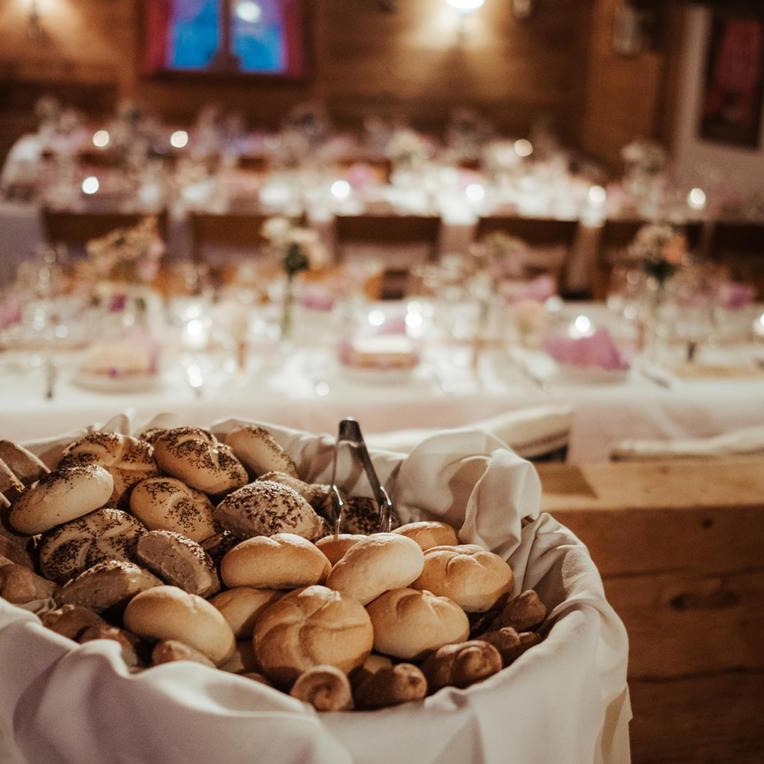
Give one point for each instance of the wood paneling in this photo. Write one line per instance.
(679, 549)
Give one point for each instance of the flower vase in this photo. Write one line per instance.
(287, 310)
(649, 326)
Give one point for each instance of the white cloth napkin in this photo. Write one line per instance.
(566, 700)
(748, 441)
(529, 432)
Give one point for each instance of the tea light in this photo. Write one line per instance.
(597, 196)
(580, 327)
(101, 139)
(696, 199)
(90, 185)
(523, 148)
(179, 139)
(195, 334)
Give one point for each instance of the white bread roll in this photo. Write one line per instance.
(378, 563)
(61, 496)
(283, 561)
(178, 561)
(108, 584)
(310, 627)
(168, 504)
(194, 456)
(469, 575)
(105, 534)
(429, 533)
(242, 605)
(128, 459)
(263, 508)
(409, 623)
(334, 547)
(20, 585)
(167, 612)
(256, 447)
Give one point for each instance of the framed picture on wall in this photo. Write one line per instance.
(734, 85)
(230, 37)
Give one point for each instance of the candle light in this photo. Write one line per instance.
(340, 189)
(101, 139)
(195, 334)
(179, 139)
(580, 327)
(475, 193)
(523, 148)
(696, 199)
(90, 185)
(597, 196)
(376, 317)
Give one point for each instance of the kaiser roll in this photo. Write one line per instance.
(167, 612)
(378, 563)
(257, 448)
(164, 503)
(409, 623)
(429, 533)
(283, 561)
(334, 547)
(310, 627)
(242, 605)
(61, 496)
(475, 579)
(194, 456)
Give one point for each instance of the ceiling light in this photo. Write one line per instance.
(466, 6)
(249, 11)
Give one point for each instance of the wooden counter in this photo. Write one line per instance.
(680, 547)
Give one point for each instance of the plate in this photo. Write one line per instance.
(376, 376)
(135, 383)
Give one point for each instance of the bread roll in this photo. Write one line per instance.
(19, 585)
(218, 546)
(171, 650)
(243, 660)
(194, 456)
(461, 665)
(10, 486)
(61, 496)
(263, 508)
(509, 643)
(472, 577)
(168, 504)
(310, 627)
(326, 688)
(151, 434)
(259, 678)
(316, 494)
(370, 666)
(429, 533)
(524, 612)
(23, 463)
(361, 515)
(378, 563)
(167, 612)
(178, 561)
(127, 459)
(409, 623)
(334, 547)
(256, 447)
(390, 686)
(242, 605)
(71, 620)
(15, 547)
(283, 561)
(128, 645)
(105, 534)
(106, 585)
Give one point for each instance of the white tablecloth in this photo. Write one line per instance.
(566, 700)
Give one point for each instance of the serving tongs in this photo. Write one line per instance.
(349, 432)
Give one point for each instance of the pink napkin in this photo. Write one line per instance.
(733, 295)
(10, 313)
(599, 350)
(539, 289)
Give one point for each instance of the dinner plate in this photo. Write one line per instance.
(134, 383)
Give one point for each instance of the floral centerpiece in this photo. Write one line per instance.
(660, 249)
(407, 149)
(300, 249)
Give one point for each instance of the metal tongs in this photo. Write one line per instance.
(349, 432)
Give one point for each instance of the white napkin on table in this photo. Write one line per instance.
(565, 700)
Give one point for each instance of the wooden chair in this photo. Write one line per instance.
(239, 232)
(740, 247)
(75, 229)
(404, 233)
(380, 167)
(614, 239)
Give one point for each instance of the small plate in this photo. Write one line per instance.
(134, 383)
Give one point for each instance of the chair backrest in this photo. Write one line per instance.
(535, 232)
(380, 167)
(75, 229)
(614, 239)
(740, 247)
(387, 230)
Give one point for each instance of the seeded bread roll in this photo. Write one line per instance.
(334, 547)
(475, 579)
(167, 612)
(283, 561)
(242, 605)
(378, 563)
(178, 561)
(409, 623)
(316, 494)
(127, 459)
(61, 496)
(461, 665)
(256, 447)
(19, 585)
(165, 503)
(218, 546)
(310, 627)
(263, 508)
(23, 463)
(171, 650)
(194, 456)
(326, 688)
(361, 515)
(71, 620)
(105, 534)
(429, 533)
(106, 585)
